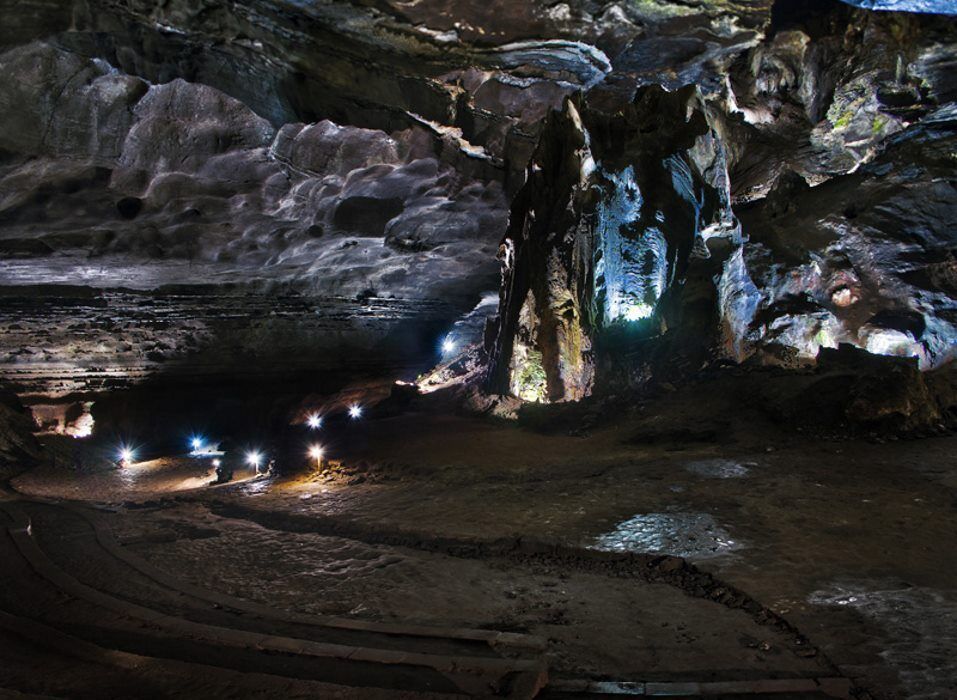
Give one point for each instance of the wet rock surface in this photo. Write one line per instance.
(920, 621)
(687, 535)
(499, 523)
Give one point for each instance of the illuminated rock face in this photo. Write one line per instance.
(611, 223)
(175, 230)
(265, 187)
(279, 188)
(877, 268)
(678, 227)
(944, 7)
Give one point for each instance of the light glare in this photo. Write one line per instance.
(126, 455)
(448, 346)
(253, 458)
(355, 411)
(637, 312)
(315, 452)
(314, 421)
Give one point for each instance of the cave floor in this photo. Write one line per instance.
(850, 541)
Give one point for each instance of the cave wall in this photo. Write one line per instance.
(228, 190)
(209, 191)
(807, 201)
(613, 221)
(168, 228)
(18, 446)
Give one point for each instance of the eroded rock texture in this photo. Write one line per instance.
(272, 188)
(179, 226)
(212, 188)
(613, 219)
(806, 201)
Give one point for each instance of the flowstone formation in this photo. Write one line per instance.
(616, 212)
(802, 199)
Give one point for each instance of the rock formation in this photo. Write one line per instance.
(275, 189)
(806, 201)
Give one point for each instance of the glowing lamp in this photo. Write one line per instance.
(126, 456)
(448, 346)
(197, 443)
(355, 411)
(254, 459)
(314, 421)
(217, 463)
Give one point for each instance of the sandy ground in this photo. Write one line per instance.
(850, 541)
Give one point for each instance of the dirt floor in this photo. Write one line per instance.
(828, 558)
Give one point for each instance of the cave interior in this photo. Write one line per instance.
(441, 348)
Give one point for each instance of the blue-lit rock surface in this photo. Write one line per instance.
(613, 221)
(944, 7)
(631, 264)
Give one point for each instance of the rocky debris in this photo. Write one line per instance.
(848, 394)
(464, 368)
(501, 406)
